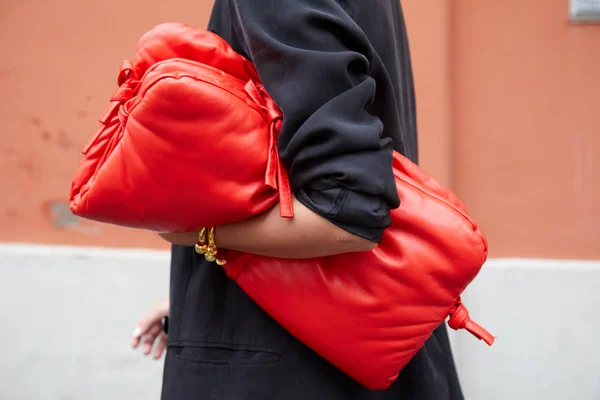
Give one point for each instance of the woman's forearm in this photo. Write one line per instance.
(307, 235)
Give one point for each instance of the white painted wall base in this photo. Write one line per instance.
(67, 315)
(546, 316)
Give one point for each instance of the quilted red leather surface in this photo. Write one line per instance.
(152, 163)
(190, 140)
(369, 313)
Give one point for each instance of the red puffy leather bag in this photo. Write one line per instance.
(190, 140)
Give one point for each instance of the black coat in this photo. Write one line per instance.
(341, 73)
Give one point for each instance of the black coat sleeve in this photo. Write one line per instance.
(315, 62)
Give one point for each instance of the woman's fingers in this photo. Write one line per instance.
(142, 329)
(160, 347)
(149, 327)
(150, 337)
(146, 323)
(136, 336)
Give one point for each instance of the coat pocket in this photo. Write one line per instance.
(219, 354)
(217, 372)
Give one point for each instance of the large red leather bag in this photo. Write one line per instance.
(190, 140)
(368, 313)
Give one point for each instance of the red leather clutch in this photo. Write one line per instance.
(188, 129)
(190, 140)
(368, 313)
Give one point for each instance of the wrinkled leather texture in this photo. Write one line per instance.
(153, 165)
(189, 140)
(369, 313)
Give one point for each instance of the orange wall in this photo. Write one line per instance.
(527, 126)
(60, 74)
(428, 24)
(507, 97)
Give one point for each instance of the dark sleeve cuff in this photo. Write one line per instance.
(356, 212)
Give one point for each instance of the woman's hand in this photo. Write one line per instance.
(149, 329)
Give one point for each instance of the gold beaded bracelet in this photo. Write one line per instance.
(209, 250)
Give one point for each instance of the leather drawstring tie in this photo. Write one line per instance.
(123, 93)
(276, 175)
(460, 319)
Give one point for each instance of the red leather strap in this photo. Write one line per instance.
(125, 72)
(125, 90)
(123, 93)
(276, 175)
(460, 319)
